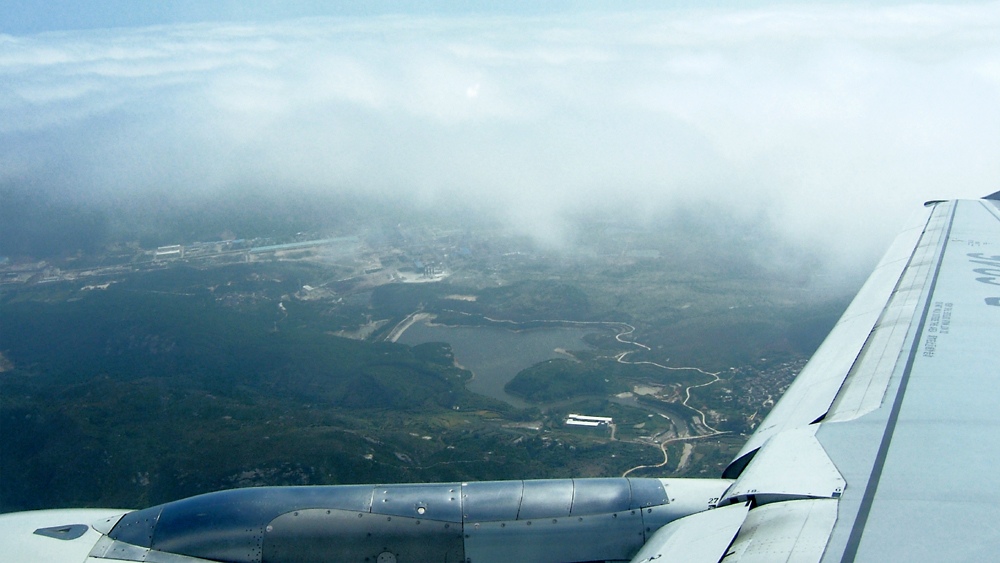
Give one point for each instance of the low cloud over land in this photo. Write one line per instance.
(829, 124)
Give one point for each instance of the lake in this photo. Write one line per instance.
(496, 355)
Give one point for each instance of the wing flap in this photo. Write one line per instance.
(791, 465)
(702, 537)
(785, 531)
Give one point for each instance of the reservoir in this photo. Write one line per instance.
(495, 355)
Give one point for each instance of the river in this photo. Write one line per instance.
(495, 355)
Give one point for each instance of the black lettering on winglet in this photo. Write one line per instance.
(995, 301)
(991, 281)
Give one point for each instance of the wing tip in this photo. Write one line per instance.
(995, 196)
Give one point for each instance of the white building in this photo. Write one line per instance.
(584, 420)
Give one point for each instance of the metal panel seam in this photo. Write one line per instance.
(520, 503)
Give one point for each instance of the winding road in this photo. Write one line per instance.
(624, 333)
(620, 358)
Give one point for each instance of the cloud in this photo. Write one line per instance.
(832, 123)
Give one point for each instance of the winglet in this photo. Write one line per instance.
(994, 196)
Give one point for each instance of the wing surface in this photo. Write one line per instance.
(880, 448)
(53, 536)
(699, 538)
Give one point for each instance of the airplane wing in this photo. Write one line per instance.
(896, 412)
(878, 451)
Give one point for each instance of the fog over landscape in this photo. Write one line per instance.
(293, 242)
(827, 125)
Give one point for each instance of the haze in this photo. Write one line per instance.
(824, 125)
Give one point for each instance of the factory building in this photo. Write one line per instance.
(587, 421)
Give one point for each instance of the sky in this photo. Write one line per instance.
(831, 122)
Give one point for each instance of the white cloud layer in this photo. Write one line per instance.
(833, 122)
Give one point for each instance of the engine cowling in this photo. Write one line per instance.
(476, 522)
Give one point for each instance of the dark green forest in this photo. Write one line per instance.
(178, 380)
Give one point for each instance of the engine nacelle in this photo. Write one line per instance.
(475, 522)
